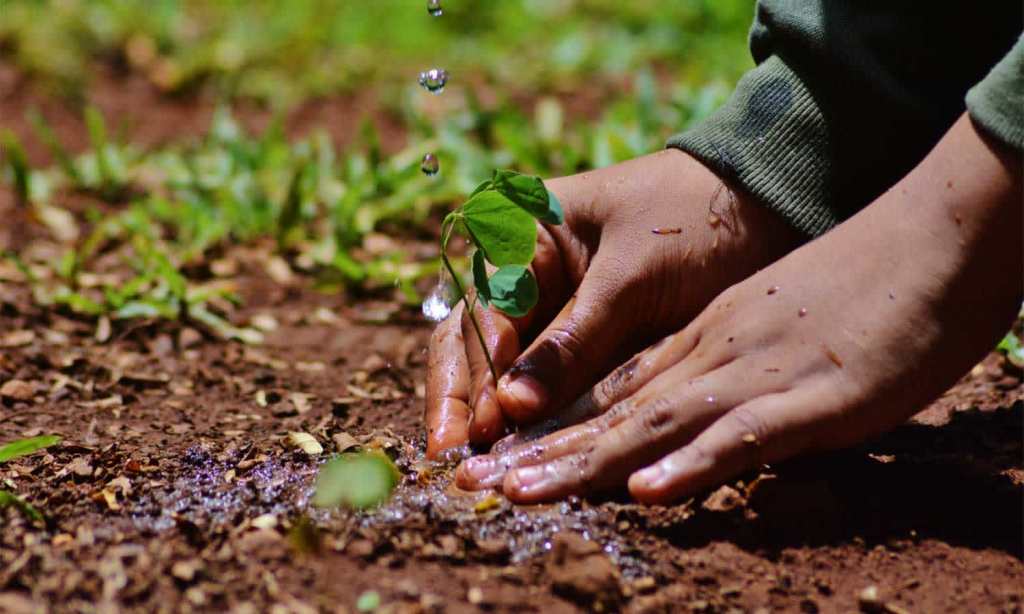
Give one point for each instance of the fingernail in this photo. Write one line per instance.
(526, 390)
(480, 467)
(652, 475)
(526, 477)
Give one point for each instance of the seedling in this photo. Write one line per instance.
(358, 480)
(499, 221)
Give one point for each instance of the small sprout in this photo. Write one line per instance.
(369, 601)
(357, 480)
(500, 220)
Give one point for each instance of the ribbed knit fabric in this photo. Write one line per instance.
(849, 95)
(997, 103)
(769, 137)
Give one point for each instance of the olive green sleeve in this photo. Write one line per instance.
(997, 103)
(848, 96)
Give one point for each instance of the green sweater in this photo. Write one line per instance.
(849, 95)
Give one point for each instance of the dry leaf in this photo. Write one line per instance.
(264, 322)
(301, 401)
(305, 442)
(17, 390)
(17, 338)
(103, 329)
(344, 441)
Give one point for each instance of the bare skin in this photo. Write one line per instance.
(645, 246)
(841, 340)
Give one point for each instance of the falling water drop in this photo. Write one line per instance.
(438, 304)
(430, 165)
(434, 80)
(434, 8)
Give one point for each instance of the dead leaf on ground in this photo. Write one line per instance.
(17, 390)
(305, 442)
(17, 338)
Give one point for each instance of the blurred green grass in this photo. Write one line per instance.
(157, 221)
(285, 52)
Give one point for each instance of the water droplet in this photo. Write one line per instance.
(435, 308)
(430, 165)
(434, 80)
(434, 8)
(438, 304)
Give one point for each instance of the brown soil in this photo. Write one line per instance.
(175, 488)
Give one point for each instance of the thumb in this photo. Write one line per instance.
(571, 353)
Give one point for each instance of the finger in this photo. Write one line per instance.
(621, 383)
(502, 338)
(568, 355)
(572, 428)
(767, 429)
(502, 334)
(665, 414)
(447, 391)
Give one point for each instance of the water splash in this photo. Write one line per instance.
(434, 8)
(430, 165)
(434, 80)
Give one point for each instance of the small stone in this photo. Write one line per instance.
(475, 595)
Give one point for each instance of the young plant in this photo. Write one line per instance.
(499, 220)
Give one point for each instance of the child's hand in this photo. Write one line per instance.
(644, 247)
(842, 339)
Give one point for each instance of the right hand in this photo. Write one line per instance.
(646, 244)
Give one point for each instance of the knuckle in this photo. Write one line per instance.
(658, 416)
(583, 467)
(617, 413)
(566, 341)
(747, 422)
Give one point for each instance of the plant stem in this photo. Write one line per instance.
(445, 235)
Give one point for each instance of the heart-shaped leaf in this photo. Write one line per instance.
(513, 290)
(529, 193)
(505, 233)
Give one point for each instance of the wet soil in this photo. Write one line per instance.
(175, 487)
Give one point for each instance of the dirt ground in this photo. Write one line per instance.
(176, 489)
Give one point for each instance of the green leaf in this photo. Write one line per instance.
(505, 233)
(15, 154)
(57, 150)
(1013, 348)
(8, 498)
(369, 601)
(513, 290)
(359, 480)
(26, 446)
(483, 290)
(484, 185)
(529, 193)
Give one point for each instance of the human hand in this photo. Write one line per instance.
(842, 339)
(645, 245)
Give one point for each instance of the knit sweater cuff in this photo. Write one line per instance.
(771, 139)
(997, 102)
